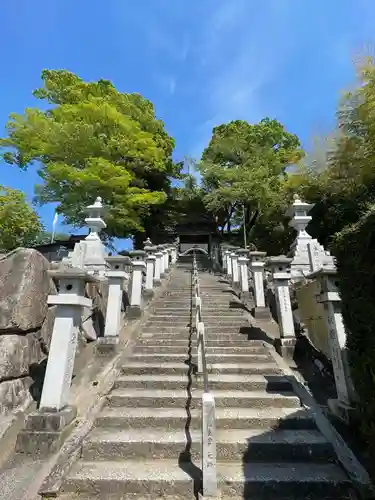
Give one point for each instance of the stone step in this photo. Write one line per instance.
(250, 369)
(232, 399)
(158, 478)
(210, 357)
(149, 480)
(231, 444)
(226, 342)
(210, 319)
(283, 481)
(186, 326)
(185, 336)
(206, 314)
(225, 418)
(189, 302)
(216, 382)
(185, 349)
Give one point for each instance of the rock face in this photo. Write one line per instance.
(17, 353)
(26, 324)
(24, 288)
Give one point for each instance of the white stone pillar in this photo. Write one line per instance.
(209, 470)
(157, 268)
(116, 277)
(281, 277)
(225, 261)
(330, 298)
(257, 263)
(229, 265)
(166, 259)
(243, 271)
(174, 255)
(149, 284)
(70, 302)
(162, 261)
(136, 282)
(150, 268)
(235, 270)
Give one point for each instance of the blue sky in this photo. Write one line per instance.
(201, 63)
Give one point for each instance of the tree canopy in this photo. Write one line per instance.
(242, 169)
(19, 224)
(94, 141)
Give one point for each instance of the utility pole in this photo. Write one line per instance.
(244, 226)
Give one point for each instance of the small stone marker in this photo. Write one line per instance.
(210, 489)
(135, 291)
(281, 277)
(257, 263)
(235, 271)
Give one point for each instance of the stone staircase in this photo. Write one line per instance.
(146, 441)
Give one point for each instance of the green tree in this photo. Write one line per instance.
(94, 140)
(242, 170)
(19, 224)
(341, 181)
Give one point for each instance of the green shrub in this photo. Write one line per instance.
(354, 248)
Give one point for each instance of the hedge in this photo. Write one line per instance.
(354, 249)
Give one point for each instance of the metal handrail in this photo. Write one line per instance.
(209, 470)
(201, 344)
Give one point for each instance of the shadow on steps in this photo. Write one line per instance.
(185, 461)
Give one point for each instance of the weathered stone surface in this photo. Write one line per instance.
(98, 292)
(17, 353)
(15, 394)
(45, 333)
(24, 288)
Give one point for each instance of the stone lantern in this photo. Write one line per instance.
(307, 253)
(94, 251)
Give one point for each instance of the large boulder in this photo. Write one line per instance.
(17, 353)
(24, 288)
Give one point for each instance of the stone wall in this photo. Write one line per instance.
(26, 324)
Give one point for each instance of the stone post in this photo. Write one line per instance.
(44, 429)
(235, 270)
(150, 270)
(136, 284)
(244, 275)
(173, 255)
(116, 277)
(229, 265)
(281, 277)
(209, 472)
(162, 261)
(94, 251)
(257, 263)
(166, 259)
(225, 261)
(330, 298)
(157, 268)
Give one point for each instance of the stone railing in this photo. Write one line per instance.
(208, 401)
